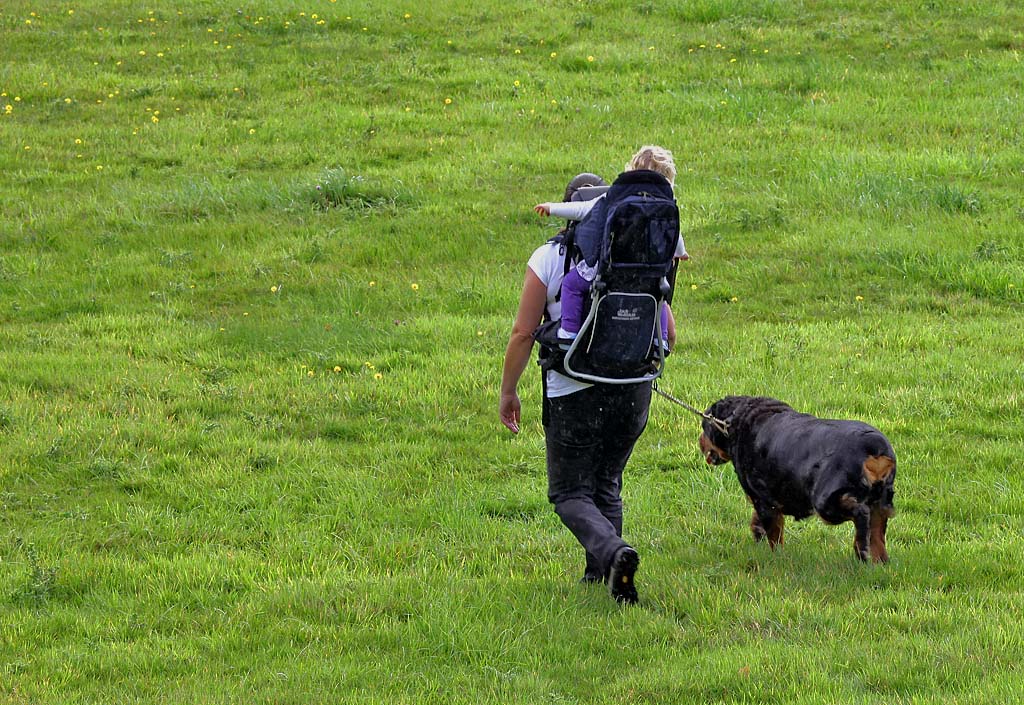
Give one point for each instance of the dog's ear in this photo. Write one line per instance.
(722, 410)
(717, 408)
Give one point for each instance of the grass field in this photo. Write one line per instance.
(258, 265)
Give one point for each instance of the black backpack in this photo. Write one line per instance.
(630, 236)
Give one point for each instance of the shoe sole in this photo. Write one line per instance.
(620, 577)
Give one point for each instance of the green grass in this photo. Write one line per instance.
(258, 265)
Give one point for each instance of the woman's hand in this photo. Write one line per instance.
(509, 410)
(543, 208)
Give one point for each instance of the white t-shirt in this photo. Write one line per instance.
(549, 266)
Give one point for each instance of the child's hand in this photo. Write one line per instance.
(543, 208)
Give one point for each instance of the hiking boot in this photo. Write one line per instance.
(620, 576)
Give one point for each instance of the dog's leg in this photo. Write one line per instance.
(757, 528)
(766, 522)
(851, 508)
(862, 526)
(879, 523)
(771, 523)
(775, 530)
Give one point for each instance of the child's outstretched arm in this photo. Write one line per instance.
(574, 210)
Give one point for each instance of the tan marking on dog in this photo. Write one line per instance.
(878, 467)
(706, 447)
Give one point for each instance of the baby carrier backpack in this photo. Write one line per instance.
(630, 238)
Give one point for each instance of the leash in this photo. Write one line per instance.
(717, 423)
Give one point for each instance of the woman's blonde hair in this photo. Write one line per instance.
(656, 159)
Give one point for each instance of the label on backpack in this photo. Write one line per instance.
(627, 314)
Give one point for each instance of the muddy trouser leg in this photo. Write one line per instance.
(590, 435)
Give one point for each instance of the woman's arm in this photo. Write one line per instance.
(520, 343)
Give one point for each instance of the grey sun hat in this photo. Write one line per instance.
(579, 181)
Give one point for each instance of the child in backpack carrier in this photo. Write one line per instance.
(578, 281)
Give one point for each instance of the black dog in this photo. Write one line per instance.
(797, 464)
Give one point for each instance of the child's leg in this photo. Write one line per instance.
(664, 321)
(575, 290)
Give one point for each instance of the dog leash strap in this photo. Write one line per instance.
(718, 423)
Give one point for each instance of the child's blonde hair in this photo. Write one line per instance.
(656, 159)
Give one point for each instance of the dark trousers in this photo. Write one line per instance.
(589, 437)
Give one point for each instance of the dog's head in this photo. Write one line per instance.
(714, 443)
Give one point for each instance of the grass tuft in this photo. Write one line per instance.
(337, 189)
(40, 582)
